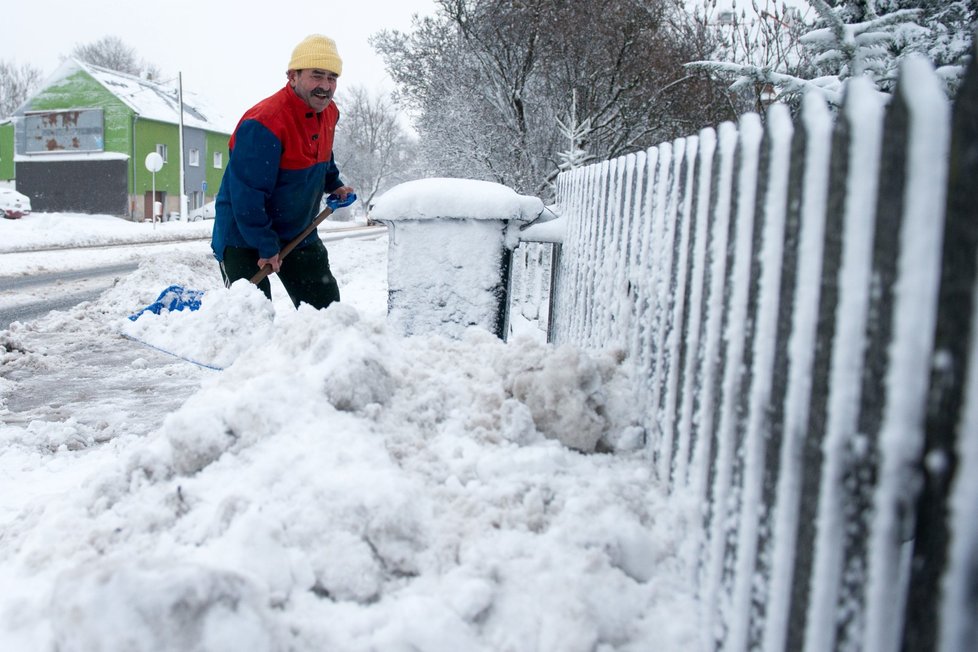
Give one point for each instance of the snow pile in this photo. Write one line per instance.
(337, 486)
(439, 198)
(226, 324)
(78, 230)
(560, 393)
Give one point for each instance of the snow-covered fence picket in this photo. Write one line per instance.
(798, 302)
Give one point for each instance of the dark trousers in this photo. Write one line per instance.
(304, 273)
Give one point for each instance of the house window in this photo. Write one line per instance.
(194, 157)
(218, 160)
(161, 150)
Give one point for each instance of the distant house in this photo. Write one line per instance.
(6, 150)
(81, 144)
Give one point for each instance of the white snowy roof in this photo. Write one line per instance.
(151, 100)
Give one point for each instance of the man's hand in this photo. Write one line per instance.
(274, 261)
(342, 192)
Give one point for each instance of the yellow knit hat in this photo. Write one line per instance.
(316, 51)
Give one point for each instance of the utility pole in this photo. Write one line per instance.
(183, 185)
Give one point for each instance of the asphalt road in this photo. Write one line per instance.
(29, 296)
(63, 290)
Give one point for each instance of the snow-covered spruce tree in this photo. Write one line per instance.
(864, 38)
(576, 132)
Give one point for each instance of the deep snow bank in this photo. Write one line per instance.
(340, 487)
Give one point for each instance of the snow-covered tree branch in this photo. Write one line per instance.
(852, 38)
(489, 84)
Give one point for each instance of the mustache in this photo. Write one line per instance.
(321, 93)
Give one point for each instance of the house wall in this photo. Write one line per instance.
(77, 91)
(215, 143)
(6, 152)
(149, 134)
(125, 133)
(75, 186)
(76, 182)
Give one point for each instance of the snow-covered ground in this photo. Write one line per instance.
(335, 487)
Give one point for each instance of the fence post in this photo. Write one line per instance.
(597, 203)
(754, 428)
(662, 299)
(622, 302)
(811, 448)
(450, 253)
(900, 327)
(701, 210)
(845, 450)
(659, 193)
(937, 563)
(736, 290)
(574, 263)
(703, 464)
(677, 281)
(808, 188)
(556, 254)
(639, 279)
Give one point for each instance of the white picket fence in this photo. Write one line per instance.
(797, 301)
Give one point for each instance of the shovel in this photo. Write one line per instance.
(177, 297)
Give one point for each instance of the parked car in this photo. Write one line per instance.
(205, 212)
(14, 205)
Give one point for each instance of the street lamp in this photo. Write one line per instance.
(153, 163)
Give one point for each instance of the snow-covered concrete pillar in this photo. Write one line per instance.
(450, 241)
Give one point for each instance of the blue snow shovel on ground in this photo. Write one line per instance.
(177, 297)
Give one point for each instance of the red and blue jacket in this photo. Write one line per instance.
(281, 163)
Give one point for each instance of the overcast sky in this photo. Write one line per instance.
(231, 53)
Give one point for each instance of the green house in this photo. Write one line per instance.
(81, 144)
(6, 150)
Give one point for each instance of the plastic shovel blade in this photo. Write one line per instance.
(175, 297)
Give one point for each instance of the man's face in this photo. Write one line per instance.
(314, 86)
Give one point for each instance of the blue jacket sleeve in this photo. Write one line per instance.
(252, 173)
(333, 180)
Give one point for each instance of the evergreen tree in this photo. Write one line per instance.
(576, 132)
(864, 38)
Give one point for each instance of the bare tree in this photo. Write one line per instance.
(113, 53)
(767, 37)
(16, 85)
(489, 82)
(373, 146)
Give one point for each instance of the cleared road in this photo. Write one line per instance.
(54, 290)
(33, 294)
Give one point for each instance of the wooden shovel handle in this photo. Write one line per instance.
(267, 269)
